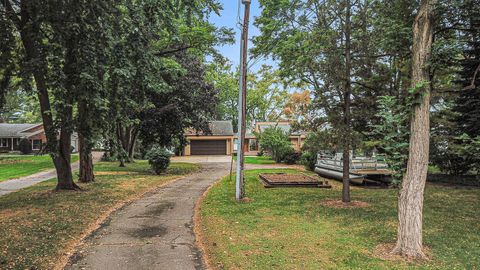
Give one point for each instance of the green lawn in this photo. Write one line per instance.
(38, 225)
(290, 228)
(258, 160)
(18, 166)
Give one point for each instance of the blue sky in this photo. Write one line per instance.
(228, 18)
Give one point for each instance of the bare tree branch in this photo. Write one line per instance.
(472, 84)
(363, 85)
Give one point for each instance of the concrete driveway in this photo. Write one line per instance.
(154, 232)
(203, 159)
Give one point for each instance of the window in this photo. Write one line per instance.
(4, 142)
(37, 144)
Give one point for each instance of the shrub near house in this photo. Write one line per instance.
(25, 146)
(159, 159)
(277, 143)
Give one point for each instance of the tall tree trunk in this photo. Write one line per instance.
(29, 30)
(133, 143)
(410, 201)
(62, 161)
(346, 107)
(85, 144)
(66, 118)
(86, 160)
(127, 137)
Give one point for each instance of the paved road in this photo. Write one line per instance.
(13, 185)
(154, 232)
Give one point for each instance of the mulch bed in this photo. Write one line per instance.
(292, 180)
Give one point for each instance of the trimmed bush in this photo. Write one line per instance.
(291, 157)
(308, 159)
(275, 141)
(159, 159)
(25, 146)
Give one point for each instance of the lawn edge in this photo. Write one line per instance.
(27, 175)
(39, 172)
(74, 245)
(200, 239)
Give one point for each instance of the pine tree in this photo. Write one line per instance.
(467, 105)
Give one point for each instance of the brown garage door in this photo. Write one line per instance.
(208, 147)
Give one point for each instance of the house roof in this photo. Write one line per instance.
(283, 125)
(217, 128)
(15, 130)
(248, 135)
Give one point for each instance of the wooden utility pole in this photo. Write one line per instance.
(346, 105)
(242, 98)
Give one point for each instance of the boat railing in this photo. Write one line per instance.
(360, 163)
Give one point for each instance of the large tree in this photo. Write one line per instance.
(8, 47)
(85, 40)
(266, 96)
(410, 201)
(326, 46)
(225, 80)
(467, 105)
(297, 106)
(42, 59)
(92, 61)
(179, 107)
(144, 62)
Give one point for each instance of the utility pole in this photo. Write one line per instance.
(242, 98)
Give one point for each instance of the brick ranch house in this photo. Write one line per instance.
(222, 140)
(11, 134)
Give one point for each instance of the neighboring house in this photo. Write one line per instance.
(218, 142)
(222, 140)
(11, 134)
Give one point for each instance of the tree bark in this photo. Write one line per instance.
(127, 136)
(346, 107)
(410, 202)
(86, 160)
(133, 143)
(62, 161)
(85, 143)
(65, 116)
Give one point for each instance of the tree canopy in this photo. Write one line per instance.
(98, 68)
